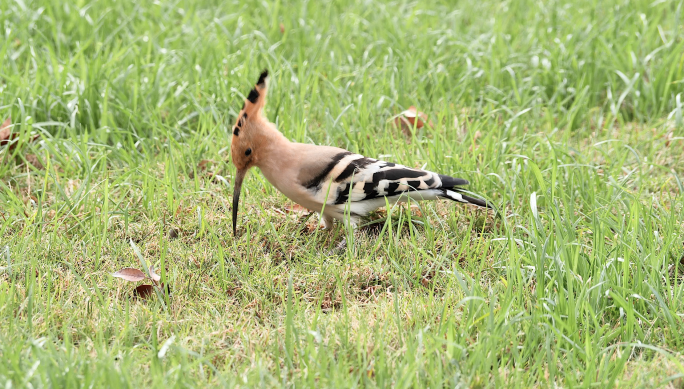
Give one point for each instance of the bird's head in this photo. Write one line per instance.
(250, 137)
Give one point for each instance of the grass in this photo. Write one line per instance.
(568, 116)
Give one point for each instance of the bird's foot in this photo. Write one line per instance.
(352, 223)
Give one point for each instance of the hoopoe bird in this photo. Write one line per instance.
(332, 181)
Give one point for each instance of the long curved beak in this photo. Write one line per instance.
(237, 186)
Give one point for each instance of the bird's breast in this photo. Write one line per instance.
(288, 185)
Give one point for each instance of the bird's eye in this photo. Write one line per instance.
(248, 151)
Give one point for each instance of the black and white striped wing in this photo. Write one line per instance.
(355, 178)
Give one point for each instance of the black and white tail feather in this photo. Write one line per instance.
(359, 185)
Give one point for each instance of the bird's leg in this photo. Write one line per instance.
(352, 223)
(327, 221)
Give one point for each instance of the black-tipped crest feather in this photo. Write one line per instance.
(262, 77)
(253, 96)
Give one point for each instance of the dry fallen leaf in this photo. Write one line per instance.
(130, 274)
(6, 135)
(202, 165)
(153, 275)
(32, 200)
(143, 291)
(407, 119)
(5, 130)
(412, 114)
(33, 160)
(416, 210)
(295, 208)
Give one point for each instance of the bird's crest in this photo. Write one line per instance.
(251, 135)
(250, 125)
(252, 108)
(256, 99)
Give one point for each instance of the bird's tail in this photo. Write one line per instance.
(457, 195)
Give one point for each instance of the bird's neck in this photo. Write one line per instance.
(277, 156)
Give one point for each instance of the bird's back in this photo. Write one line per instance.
(336, 176)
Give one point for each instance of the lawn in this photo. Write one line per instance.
(566, 115)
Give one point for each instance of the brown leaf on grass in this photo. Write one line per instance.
(409, 118)
(295, 208)
(30, 200)
(5, 129)
(33, 160)
(416, 210)
(412, 115)
(6, 135)
(428, 276)
(202, 165)
(153, 275)
(143, 291)
(130, 274)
